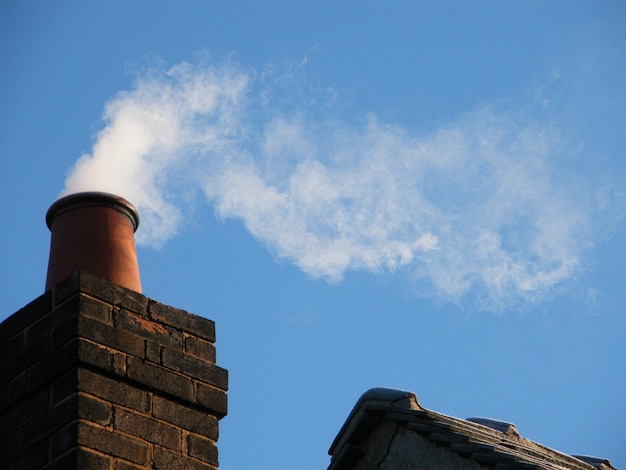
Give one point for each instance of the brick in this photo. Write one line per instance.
(66, 288)
(148, 429)
(164, 460)
(94, 354)
(24, 411)
(92, 461)
(81, 459)
(86, 317)
(34, 352)
(194, 367)
(12, 391)
(64, 439)
(182, 320)
(80, 307)
(115, 338)
(33, 458)
(65, 385)
(12, 446)
(119, 465)
(94, 410)
(148, 329)
(25, 316)
(95, 309)
(212, 399)
(52, 366)
(153, 352)
(119, 364)
(114, 391)
(34, 333)
(63, 332)
(202, 449)
(160, 379)
(64, 359)
(51, 421)
(187, 418)
(112, 444)
(11, 348)
(61, 321)
(105, 291)
(200, 348)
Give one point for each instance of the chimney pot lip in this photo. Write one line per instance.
(89, 198)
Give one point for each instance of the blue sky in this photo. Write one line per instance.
(420, 195)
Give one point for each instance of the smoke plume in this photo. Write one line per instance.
(478, 205)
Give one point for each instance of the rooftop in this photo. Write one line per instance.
(482, 441)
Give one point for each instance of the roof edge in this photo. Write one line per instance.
(385, 399)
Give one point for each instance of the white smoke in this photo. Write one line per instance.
(152, 134)
(478, 205)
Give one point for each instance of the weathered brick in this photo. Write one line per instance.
(112, 444)
(148, 429)
(10, 348)
(114, 391)
(66, 288)
(24, 411)
(180, 319)
(65, 385)
(153, 352)
(95, 309)
(164, 460)
(194, 367)
(63, 332)
(120, 465)
(94, 354)
(69, 313)
(92, 461)
(43, 326)
(187, 418)
(115, 338)
(34, 352)
(101, 289)
(81, 459)
(12, 446)
(200, 348)
(52, 366)
(212, 399)
(25, 316)
(12, 391)
(148, 329)
(32, 458)
(51, 421)
(82, 418)
(94, 410)
(202, 449)
(64, 439)
(119, 364)
(158, 378)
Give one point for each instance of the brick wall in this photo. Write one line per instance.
(96, 376)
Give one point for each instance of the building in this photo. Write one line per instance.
(94, 375)
(388, 429)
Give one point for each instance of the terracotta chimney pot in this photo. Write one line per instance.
(93, 232)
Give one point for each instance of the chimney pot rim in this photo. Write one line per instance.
(92, 198)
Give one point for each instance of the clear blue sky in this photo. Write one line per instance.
(427, 196)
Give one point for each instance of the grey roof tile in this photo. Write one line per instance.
(491, 443)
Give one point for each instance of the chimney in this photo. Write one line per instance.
(93, 232)
(93, 374)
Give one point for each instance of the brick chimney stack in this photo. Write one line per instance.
(94, 375)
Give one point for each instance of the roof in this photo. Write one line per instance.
(480, 442)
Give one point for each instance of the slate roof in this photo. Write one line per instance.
(489, 443)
